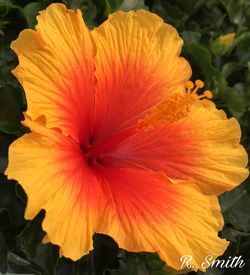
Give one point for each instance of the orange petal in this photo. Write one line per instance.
(56, 70)
(145, 212)
(137, 64)
(53, 172)
(203, 146)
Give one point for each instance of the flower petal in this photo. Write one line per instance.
(202, 147)
(53, 172)
(145, 212)
(137, 63)
(56, 70)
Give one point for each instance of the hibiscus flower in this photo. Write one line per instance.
(121, 142)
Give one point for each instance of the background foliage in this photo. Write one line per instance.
(225, 67)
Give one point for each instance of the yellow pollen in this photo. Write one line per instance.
(172, 109)
(175, 107)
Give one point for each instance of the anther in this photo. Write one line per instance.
(189, 85)
(193, 89)
(199, 83)
(208, 94)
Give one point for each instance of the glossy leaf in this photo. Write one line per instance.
(3, 254)
(127, 5)
(43, 256)
(31, 11)
(10, 202)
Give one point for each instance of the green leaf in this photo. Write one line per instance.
(232, 234)
(236, 10)
(202, 58)
(233, 98)
(89, 8)
(3, 254)
(235, 207)
(211, 271)
(11, 104)
(230, 68)
(132, 5)
(8, 8)
(160, 272)
(12, 129)
(128, 267)
(111, 6)
(3, 24)
(10, 202)
(242, 40)
(5, 141)
(43, 256)
(7, 63)
(141, 263)
(20, 265)
(173, 14)
(191, 37)
(31, 11)
(155, 264)
(84, 266)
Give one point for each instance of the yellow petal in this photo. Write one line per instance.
(145, 212)
(227, 39)
(53, 172)
(56, 70)
(199, 144)
(223, 160)
(137, 64)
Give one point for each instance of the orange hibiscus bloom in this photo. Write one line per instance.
(118, 144)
